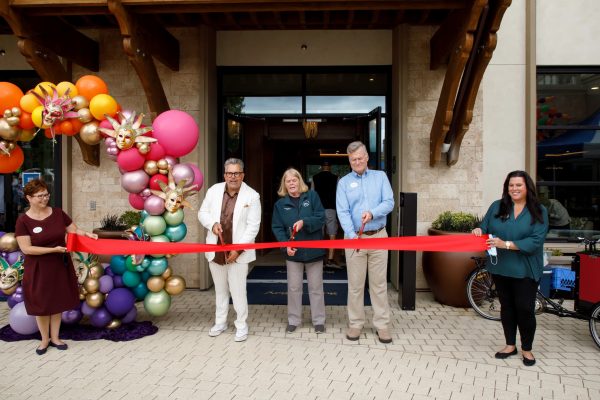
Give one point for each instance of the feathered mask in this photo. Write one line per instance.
(128, 132)
(174, 194)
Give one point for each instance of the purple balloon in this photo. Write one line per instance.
(119, 301)
(146, 192)
(13, 257)
(154, 205)
(108, 270)
(198, 176)
(71, 316)
(20, 321)
(106, 283)
(11, 302)
(134, 181)
(118, 281)
(86, 309)
(2, 233)
(101, 318)
(130, 316)
(17, 297)
(19, 289)
(172, 161)
(181, 172)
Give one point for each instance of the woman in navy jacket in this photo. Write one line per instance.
(300, 214)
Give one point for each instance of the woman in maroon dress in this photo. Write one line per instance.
(49, 281)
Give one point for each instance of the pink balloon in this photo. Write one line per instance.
(136, 201)
(156, 152)
(154, 181)
(172, 161)
(106, 125)
(135, 181)
(198, 176)
(130, 159)
(181, 172)
(154, 205)
(176, 131)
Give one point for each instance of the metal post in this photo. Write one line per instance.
(407, 226)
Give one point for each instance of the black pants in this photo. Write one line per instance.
(517, 301)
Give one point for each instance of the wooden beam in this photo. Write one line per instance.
(350, 19)
(456, 66)
(452, 31)
(138, 53)
(463, 111)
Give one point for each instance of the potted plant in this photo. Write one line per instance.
(446, 272)
(111, 227)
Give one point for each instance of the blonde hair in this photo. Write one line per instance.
(282, 191)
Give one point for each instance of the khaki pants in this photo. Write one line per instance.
(314, 277)
(373, 262)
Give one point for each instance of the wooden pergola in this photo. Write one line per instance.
(464, 41)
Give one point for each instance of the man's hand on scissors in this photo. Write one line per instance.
(217, 229)
(232, 257)
(366, 217)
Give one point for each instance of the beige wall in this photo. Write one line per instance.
(12, 58)
(568, 32)
(192, 90)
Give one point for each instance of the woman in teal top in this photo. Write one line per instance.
(300, 214)
(518, 223)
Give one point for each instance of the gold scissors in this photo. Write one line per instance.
(360, 232)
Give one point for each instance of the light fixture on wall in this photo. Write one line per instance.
(311, 128)
(303, 47)
(2, 52)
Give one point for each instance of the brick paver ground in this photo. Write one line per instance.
(438, 352)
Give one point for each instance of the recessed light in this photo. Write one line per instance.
(595, 88)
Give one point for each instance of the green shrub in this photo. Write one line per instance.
(112, 222)
(456, 222)
(130, 218)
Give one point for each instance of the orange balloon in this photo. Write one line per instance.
(66, 128)
(89, 86)
(10, 95)
(25, 121)
(76, 124)
(48, 132)
(11, 163)
(29, 102)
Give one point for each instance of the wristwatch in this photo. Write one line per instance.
(508, 244)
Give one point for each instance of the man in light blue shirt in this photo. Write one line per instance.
(364, 198)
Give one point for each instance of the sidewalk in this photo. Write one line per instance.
(438, 352)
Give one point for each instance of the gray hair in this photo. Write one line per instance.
(354, 146)
(233, 161)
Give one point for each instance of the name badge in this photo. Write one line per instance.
(354, 185)
(37, 229)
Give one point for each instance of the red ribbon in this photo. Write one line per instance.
(452, 243)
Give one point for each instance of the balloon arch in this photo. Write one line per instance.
(157, 183)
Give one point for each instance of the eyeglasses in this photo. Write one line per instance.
(233, 174)
(42, 196)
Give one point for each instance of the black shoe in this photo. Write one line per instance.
(320, 329)
(59, 346)
(501, 356)
(40, 352)
(291, 328)
(528, 362)
(331, 263)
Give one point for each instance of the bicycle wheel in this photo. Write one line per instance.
(540, 304)
(595, 325)
(481, 292)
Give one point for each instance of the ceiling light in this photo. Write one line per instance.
(595, 88)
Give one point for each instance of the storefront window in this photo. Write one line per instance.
(568, 151)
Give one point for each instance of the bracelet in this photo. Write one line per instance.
(508, 244)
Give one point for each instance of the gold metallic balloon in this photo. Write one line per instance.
(94, 300)
(10, 146)
(143, 148)
(175, 285)
(91, 285)
(82, 291)
(155, 283)
(81, 296)
(89, 133)
(26, 135)
(167, 274)
(162, 164)
(85, 115)
(8, 131)
(96, 271)
(7, 113)
(115, 323)
(150, 167)
(10, 290)
(8, 242)
(80, 102)
(163, 171)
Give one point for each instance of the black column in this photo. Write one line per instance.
(407, 259)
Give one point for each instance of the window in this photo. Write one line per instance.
(568, 150)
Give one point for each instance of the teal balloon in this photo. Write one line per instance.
(159, 238)
(140, 291)
(176, 233)
(146, 262)
(175, 218)
(157, 304)
(129, 264)
(141, 267)
(154, 225)
(117, 264)
(158, 266)
(143, 215)
(145, 276)
(131, 278)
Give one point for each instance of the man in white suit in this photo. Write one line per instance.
(231, 212)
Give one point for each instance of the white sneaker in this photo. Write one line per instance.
(216, 330)
(241, 334)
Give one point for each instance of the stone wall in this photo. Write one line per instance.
(102, 184)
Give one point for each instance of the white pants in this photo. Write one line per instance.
(230, 278)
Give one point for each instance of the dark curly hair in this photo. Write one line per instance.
(35, 186)
(532, 201)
